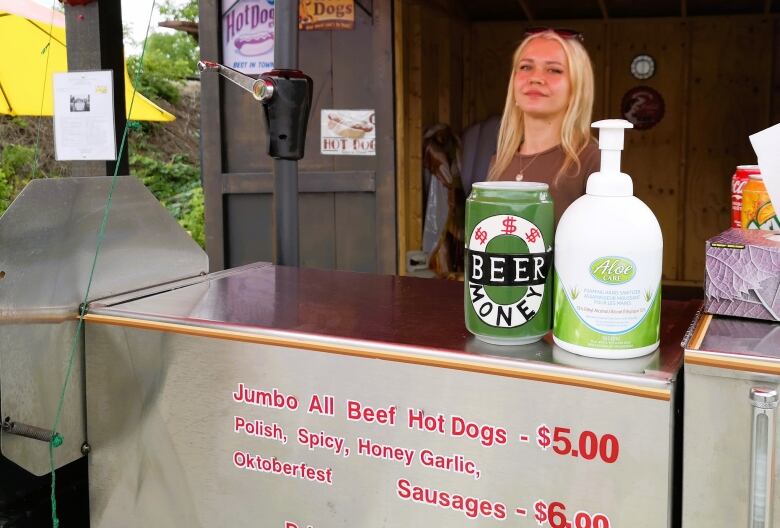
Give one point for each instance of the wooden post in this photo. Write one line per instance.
(94, 33)
(399, 14)
(211, 135)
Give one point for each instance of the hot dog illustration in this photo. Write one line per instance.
(255, 44)
(348, 128)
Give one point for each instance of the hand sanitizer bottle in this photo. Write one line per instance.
(608, 259)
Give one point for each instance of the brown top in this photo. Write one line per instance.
(543, 167)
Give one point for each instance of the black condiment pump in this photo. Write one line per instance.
(286, 96)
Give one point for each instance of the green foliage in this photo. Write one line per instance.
(16, 169)
(17, 160)
(6, 192)
(193, 218)
(168, 61)
(177, 185)
(187, 12)
(20, 122)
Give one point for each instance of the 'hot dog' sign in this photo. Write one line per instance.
(248, 35)
(348, 132)
(326, 14)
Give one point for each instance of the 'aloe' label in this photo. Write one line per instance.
(613, 270)
(587, 318)
(608, 302)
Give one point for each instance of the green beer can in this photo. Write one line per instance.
(508, 280)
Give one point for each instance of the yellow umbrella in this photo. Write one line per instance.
(25, 76)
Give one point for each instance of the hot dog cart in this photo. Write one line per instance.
(274, 396)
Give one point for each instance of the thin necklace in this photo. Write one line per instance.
(521, 174)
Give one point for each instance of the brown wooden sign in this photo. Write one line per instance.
(326, 14)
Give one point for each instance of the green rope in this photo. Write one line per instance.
(57, 439)
(45, 50)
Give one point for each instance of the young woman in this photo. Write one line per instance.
(545, 129)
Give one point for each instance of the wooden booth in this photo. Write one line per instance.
(717, 68)
(347, 203)
(422, 62)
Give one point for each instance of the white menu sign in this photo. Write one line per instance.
(248, 35)
(84, 116)
(348, 132)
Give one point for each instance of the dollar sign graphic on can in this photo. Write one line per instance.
(508, 280)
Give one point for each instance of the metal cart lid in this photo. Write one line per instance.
(382, 317)
(736, 343)
(48, 239)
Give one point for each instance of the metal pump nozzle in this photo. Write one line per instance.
(286, 96)
(261, 89)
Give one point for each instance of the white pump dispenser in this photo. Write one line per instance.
(609, 181)
(608, 260)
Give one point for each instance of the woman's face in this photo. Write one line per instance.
(541, 79)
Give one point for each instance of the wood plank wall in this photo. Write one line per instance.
(351, 70)
(719, 77)
(652, 157)
(431, 39)
(729, 98)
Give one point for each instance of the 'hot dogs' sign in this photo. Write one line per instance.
(348, 132)
(248, 35)
(326, 14)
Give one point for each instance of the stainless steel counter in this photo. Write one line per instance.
(399, 318)
(372, 382)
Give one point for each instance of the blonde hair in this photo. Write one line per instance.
(575, 130)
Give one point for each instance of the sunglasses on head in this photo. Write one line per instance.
(561, 32)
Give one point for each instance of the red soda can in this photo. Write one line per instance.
(738, 182)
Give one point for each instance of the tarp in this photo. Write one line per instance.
(25, 76)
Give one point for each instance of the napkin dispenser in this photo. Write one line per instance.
(742, 276)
